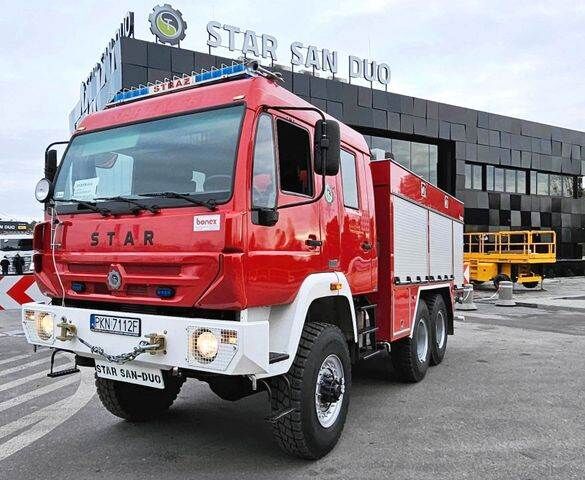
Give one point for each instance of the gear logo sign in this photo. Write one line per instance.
(167, 24)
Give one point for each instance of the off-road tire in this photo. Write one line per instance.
(403, 353)
(137, 403)
(300, 433)
(436, 306)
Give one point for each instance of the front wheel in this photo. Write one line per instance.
(137, 403)
(318, 389)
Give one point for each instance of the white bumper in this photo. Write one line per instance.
(249, 356)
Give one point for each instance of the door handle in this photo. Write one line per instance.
(313, 242)
(366, 246)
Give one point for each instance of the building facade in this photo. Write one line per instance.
(511, 174)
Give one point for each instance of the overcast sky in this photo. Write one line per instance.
(522, 58)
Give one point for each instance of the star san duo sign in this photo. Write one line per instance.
(168, 26)
(309, 56)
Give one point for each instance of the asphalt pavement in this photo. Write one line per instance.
(506, 403)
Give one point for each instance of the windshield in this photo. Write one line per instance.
(16, 244)
(192, 154)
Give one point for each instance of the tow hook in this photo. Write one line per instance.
(156, 343)
(68, 330)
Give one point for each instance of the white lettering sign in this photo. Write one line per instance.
(310, 56)
(206, 223)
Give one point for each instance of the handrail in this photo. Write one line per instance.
(525, 242)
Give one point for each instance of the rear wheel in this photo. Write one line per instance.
(318, 388)
(439, 318)
(137, 403)
(411, 356)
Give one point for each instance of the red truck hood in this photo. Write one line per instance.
(148, 251)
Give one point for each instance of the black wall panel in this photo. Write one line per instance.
(463, 135)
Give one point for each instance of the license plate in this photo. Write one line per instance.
(149, 377)
(117, 325)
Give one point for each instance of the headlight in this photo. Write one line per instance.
(39, 325)
(212, 347)
(207, 345)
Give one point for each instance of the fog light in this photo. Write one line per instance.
(207, 345)
(78, 287)
(165, 292)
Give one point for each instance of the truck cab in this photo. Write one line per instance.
(219, 227)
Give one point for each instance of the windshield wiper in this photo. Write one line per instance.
(89, 205)
(139, 205)
(211, 204)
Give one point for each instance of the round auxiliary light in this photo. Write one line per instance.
(43, 190)
(207, 345)
(44, 325)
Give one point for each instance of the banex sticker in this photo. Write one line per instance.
(206, 223)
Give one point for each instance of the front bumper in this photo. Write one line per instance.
(248, 356)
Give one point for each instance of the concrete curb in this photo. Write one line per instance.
(550, 307)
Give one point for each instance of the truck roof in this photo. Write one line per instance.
(255, 91)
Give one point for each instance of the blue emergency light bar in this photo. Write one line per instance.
(186, 81)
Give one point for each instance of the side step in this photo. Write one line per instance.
(365, 355)
(275, 357)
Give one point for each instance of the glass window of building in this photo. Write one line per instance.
(489, 177)
(468, 178)
(542, 183)
(473, 178)
(555, 187)
(419, 159)
(521, 181)
(532, 182)
(567, 186)
(401, 152)
(499, 179)
(382, 143)
(510, 179)
(433, 162)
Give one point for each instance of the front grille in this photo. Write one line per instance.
(150, 309)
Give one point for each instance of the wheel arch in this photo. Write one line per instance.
(317, 301)
(446, 294)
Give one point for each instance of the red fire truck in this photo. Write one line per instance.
(218, 227)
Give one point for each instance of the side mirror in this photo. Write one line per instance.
(50, 164)
(267, 217)
(327, 147)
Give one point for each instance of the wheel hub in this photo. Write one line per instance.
(330, 388)
(329, 391)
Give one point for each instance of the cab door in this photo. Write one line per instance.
(356, 250)
(281, 256)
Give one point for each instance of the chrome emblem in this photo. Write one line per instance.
(114, 279)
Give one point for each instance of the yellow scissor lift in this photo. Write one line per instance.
(509, 255)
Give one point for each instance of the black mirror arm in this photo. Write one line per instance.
(284, 108)
(64, 142)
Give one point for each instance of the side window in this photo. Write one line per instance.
(264, 172)
(294, 159)
(349, 180)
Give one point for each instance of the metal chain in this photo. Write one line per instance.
(142, 347)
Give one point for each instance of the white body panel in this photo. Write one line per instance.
(441, 246)
(251, 353)
(458, 254)
(410, 240)
(428, 246)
